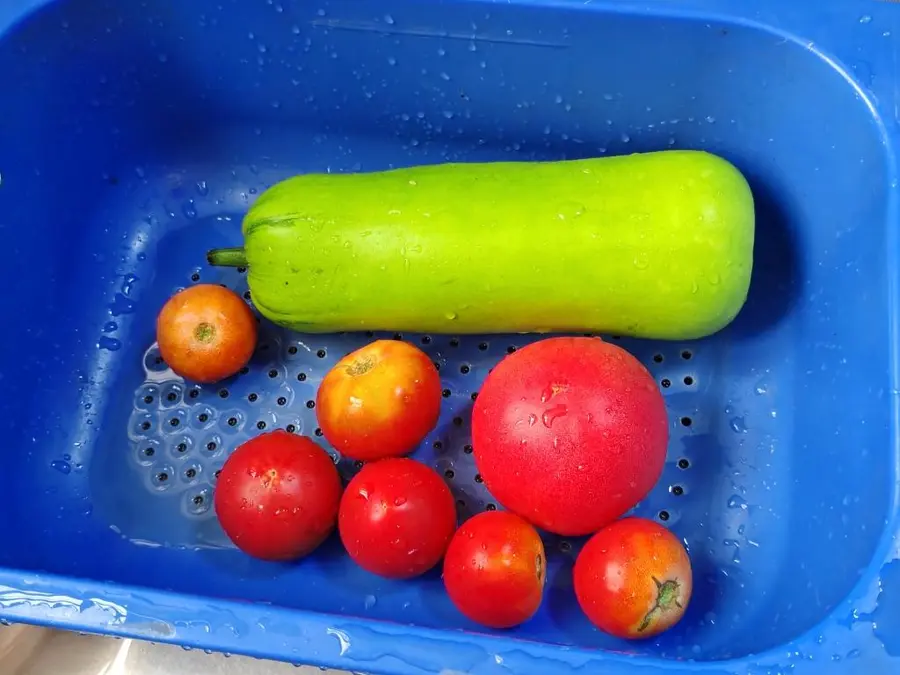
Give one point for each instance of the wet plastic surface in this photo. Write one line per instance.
(135, 136)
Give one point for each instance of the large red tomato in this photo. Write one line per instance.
(277, 496)
(495, 568)
(396, 518)
(633, 579)
(379, 401)
(570, 433)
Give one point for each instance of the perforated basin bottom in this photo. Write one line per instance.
(149, 128)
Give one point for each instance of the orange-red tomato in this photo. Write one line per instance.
(396, 518)
(495, 568)
(206, 333)
(379, 401)
(633, 579)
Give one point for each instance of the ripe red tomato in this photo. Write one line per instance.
(206, 333)
(495, 568)
(633, 579)
(379, 401)
(277, 496)
(570, 433)
(396, 518)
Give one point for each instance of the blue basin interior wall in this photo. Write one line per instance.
(133, 136)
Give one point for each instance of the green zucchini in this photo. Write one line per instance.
(656, 245)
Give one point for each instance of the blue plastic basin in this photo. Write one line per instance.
(133, 136)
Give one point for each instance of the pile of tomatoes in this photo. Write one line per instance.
(580, 417)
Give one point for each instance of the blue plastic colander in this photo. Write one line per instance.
(133, 136)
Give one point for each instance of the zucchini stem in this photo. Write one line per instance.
(227, 257)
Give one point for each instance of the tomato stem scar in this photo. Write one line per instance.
(205, 332)
(666, 598)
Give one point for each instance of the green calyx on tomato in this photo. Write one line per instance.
(667, 593)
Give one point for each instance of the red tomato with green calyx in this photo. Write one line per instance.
(277, 496)
(570, 433)
(633, 579)
(396, 518)
(379, 401)
(495, 568)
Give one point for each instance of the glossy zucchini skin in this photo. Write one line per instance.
(655, 245)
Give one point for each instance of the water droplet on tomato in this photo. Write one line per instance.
(552, 414)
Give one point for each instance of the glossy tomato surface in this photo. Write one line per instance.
(277, 496)
(633, 579)
(396, 518)
(570, 433)
(206, 333)
(379, 401)
(495, 569)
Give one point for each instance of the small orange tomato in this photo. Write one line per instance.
(379, 401)
(633, 579)
(206, 333)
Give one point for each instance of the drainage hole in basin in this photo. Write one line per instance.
(244, 370)
(478, 478)
(491, 507)
(223, 393)
(684, 463)
(565, 546)
(511, 349)
(145, 425)
(292, 350)
(232, 421)
(483, 346)
(148, 399)
(202, 417)
(398, 336)
(211, 446)
(461, 503)
(426, 339)
(677, 490)
(252, 397)
(174, 422)
(474, 395)
(464, 369)
(686, 421)
(260, 425)
(319, 432)
(181, 447)
(171, 396)
(301, 377)
(657, 358)
(281, 400)
(321, 353)
(242, 270)
(664, 515)
(198, 500)
(357, 464)
(445, 393)
(688, 380)
(290, 428)
(310, 404)
(449, 474)
(370, 334)
(666, 383)
(467, 449)
(194, 393)
(687, 355)
(454, 342)
(458, 421)
(149, 452)
(162, 476)
(190, 473)
(437, 445)
(437, 366)
(273, 373)
(195, 277)
(247, 295)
